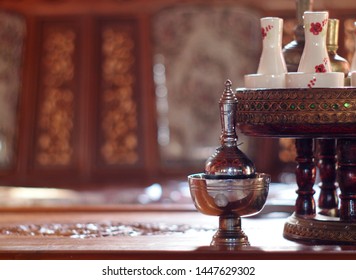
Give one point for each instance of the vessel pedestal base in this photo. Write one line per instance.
(230, 235)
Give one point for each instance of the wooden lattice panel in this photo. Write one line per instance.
(118, 108)
(56, 103)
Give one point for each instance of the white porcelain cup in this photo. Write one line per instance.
(315, 80)
(353, 79)
(264, 81)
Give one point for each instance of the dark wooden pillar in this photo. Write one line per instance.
(305, 176)
(326, 156)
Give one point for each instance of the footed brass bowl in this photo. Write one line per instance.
(230, 199)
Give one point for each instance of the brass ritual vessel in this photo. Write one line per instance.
(230, 187)
(230, 199)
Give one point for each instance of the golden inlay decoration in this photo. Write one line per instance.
(320, 230)
(118, 107)
(296, 106)
(56, 112)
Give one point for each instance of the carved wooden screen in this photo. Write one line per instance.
(58, 96)
(54, 99)
(85, 101)
(119, 143)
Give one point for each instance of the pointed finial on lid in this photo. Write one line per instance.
(228, 84)
(228, 94)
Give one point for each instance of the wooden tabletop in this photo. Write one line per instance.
(177, 234)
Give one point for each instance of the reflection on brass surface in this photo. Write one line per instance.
(297, 106)
(242, 197)
(320, 230)
(119, 110)
(229, 161)
(56, 112)
(230, 199)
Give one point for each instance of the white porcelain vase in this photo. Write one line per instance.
(315, 58)
(272, 61)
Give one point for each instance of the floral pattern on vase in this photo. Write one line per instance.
(271, 60)
(315, 57)
(264, 30)
(320, 68)
(312, 82)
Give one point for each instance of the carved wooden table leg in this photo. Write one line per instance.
(307, 226)
(346, 174)
(305, 176)
(326, 155)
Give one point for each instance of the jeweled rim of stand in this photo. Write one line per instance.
(297, 112)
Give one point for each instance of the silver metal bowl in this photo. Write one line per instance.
(230, 199)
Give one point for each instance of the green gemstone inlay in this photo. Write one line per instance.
(335, 106)
(302, 106)
(312, 106)
(292, 106)
(347, 105)
(325, 105)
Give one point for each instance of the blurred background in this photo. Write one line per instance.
(124, 94)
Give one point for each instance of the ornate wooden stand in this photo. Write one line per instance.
(323, 122)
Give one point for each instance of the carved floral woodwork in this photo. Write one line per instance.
(55, 121)
(118, 119)
(115, 102)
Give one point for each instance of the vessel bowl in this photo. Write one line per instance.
(239, 197)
